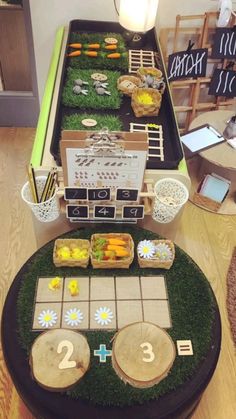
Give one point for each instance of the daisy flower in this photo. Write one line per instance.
(146, 249)
(74, 316)
(163, 252)
(103, 316)
(47, 318)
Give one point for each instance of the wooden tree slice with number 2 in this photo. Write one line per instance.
(142, 354)
(59, 359)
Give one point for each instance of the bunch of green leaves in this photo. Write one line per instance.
(98, 248)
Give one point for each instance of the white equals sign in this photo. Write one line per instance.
(184, 347)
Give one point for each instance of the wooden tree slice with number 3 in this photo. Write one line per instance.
(142, 354)
(59, 359)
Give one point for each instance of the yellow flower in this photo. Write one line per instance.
(145, 99)
(153, 125)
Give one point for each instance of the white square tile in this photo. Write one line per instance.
(102, 288)
(47, 312)
(128, 288)
(44, 293)
(157, 312)
(97, 305)
(84, 310)
(129, 312)
(153, 287)
(184, 347)
(83, 285)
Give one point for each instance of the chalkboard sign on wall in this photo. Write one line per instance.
(107, 212)
(102, 194)
(126, 194)
(224, 43)
(131, 211)
(77, 211)
(186, 64)
(223, 83)
(75, 193)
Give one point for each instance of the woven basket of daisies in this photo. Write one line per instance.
(156, 254)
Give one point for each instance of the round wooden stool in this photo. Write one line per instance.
(142, 354)
(59, 359)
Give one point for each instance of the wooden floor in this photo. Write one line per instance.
(208, 238)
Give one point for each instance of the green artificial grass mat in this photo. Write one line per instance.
(98, 62)
(74, 122)
(92, 100)
(192, 306)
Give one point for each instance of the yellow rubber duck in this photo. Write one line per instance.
(55, 283)
(73, 287)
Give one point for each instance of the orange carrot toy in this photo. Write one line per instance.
(74, 54)
(111, 47)
(114, 55)
(92, 46)
(91, 53)
(75, 45)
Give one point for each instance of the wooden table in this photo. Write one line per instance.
(220, 159)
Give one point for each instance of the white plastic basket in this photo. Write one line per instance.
(44, 211)
(170, 196)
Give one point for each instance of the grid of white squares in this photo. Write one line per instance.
(130, 299)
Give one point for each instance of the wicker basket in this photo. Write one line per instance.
(122, 87)
(152, 71)
(84, 244)
(110, 264)
(157, 263)
(146, 110)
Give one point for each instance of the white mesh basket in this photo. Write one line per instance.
(170, 196)
(44, 211)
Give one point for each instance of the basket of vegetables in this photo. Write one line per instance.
(71, 252)
(112, 250)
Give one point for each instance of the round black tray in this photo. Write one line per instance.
(175, 405)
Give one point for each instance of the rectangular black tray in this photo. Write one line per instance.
(172, 149)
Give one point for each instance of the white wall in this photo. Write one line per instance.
(48, 15)
(168, 9)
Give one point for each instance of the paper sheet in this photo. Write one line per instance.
(201, 138)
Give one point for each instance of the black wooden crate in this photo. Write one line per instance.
(172, 149)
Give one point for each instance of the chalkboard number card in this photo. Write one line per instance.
(77, 211)
(78, 194)
(186, 64)
(102, 194)
(104, 212)
(126, 194)
(223, 83)
(131, 211)
(224, 43)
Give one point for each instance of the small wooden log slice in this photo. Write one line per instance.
(59, 359)
(142, 354)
